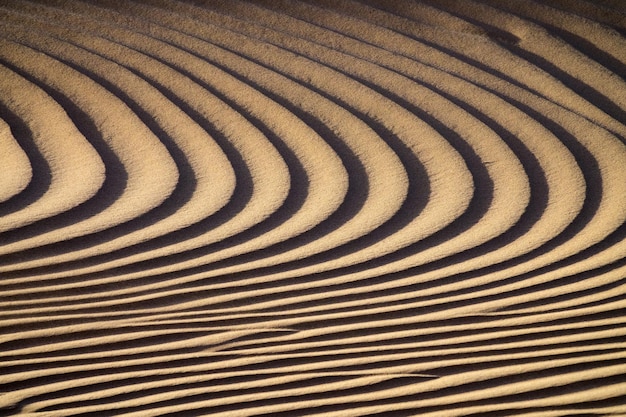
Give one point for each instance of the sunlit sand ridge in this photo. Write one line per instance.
(338, 208)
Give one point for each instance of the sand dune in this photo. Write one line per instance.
(337, 208)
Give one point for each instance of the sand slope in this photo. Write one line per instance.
(338, 208)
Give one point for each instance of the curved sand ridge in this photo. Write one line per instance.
(312, 208)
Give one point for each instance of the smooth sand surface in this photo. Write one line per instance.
(330, 208)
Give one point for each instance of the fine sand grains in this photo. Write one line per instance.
(16, 169)
(321, 208)
(62, 153)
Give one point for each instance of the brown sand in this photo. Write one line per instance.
(337, 208)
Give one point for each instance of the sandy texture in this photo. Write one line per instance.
(333, 208)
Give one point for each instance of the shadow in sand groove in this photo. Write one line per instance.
(116, 175)
(474, 304)
(41, 179)
(180, 195)
(355, 198)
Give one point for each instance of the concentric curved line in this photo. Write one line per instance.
(312, 208)
(321, 149)
(61, 162)
(17, 169)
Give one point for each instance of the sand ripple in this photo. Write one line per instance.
(338, 208)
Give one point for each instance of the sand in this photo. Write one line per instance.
(330, 208)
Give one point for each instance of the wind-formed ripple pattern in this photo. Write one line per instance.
(321, 208)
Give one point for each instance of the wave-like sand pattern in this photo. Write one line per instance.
(338, 208)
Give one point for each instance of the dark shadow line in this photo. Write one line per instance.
(448, 135)
(479, 171)
(353, 202)
(416, 288)
(322, 228)
(591, 173)
(20, 342)
(459, 323)
(205, 396)
(61, 376)
(396, 384)
(509, 42)
(380, 365)
(478, 206)
(443, 304)
(58, 359)
(569, 296)
(589, 93)
(418, 192)
(419, 287)
(539, 189)
(294, 201)
(570, 388)
(583, 89)
(358, 187)
(496, 34)
(235, 380)
(115, 173)
(180, 195)
(299, 179)
(439, 354)
(241, 195)
(592, 176)
(529, 158)
(9, 326)
(408, 345)
(404, 154)
(41, 173)
(587, 48)
(490, 338)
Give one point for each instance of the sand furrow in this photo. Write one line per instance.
(590, 228)
(128, 185)
(57, 167)
(17, 171)
(494, 372)
(461, 54)
(438, 393)
(613, 206)
(495, 175)
(329, 208)
(404, 92)
(200, 192)
(394, 183)
(597, 42)
(309, 156)
(542, 49)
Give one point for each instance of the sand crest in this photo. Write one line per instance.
(333, 208)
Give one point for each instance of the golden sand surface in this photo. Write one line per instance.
(312, 208)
